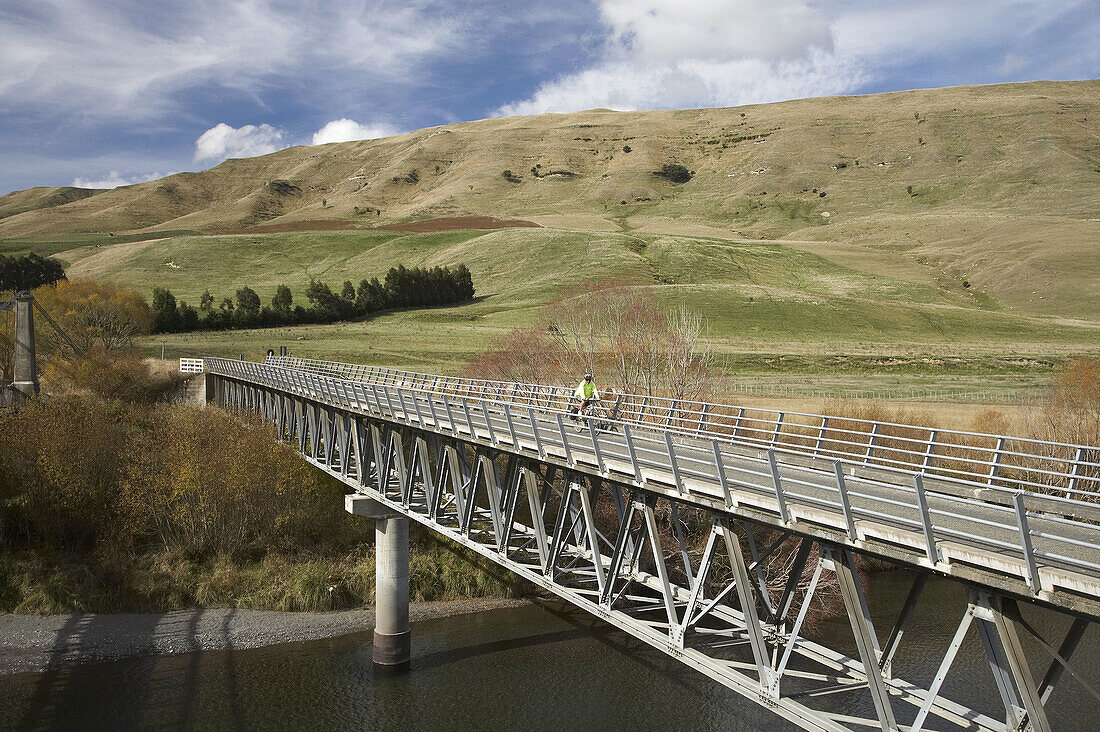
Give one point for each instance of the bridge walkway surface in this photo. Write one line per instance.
(459, 456)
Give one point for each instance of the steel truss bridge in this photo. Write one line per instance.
(668, 522)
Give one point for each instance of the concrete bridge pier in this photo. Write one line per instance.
(392, 634)
(26, 367)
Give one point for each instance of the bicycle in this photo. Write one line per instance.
(594, 413)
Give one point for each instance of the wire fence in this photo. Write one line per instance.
(977, 396)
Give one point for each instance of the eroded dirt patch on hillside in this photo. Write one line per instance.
(456, 223)
(287, 226)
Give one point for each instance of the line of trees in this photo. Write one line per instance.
(402, 288)
(29, 271)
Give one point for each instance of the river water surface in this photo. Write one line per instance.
(538, 667)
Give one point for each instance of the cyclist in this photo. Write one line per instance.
(586, 394)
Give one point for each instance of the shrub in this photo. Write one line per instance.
(1072, 413)
(59, 470)
(120, 374)
(674, 173)
(283, 187)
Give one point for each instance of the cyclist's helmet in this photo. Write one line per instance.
(588, 377)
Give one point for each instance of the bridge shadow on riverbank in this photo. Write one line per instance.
(156, 694)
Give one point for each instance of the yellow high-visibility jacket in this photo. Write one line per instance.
(586, 390)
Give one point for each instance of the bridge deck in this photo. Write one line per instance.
(927, 521)
(408, 447)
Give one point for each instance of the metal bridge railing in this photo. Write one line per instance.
(974, 458)
(1033, 537)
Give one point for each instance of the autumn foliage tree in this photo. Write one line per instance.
(101, 321)
(614, 331)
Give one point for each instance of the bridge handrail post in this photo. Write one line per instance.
(1030, 564)
(488, 421)
(431, 410)
(377, 400)
(633, 454)
(930, 450)
(389, 401)
(596, 447)
(845, 503)
(702, 417)
(672, 460)
(450, 414)
(361, 396)
(469, 418)
(535, 431)
(416, 406)
(737, 423)
(821, 436)
(995, 465)
(671, 412)
(1078, 458)
(871, 442)
(778, 428)
(564, 440)
(342, 388)
(925, 520)
(720, 468)
(511, 425)
(777, 483)
(401, 401)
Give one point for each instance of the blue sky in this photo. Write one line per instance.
(107, 92)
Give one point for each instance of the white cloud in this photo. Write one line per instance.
(114, 179)
(345, 130)
(223, 141)
(124, 59)
(730, 52)
(702, 53)
(717, 30)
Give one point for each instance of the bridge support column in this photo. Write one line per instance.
(392, 635)
(26, 368)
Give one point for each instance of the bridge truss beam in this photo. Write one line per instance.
(630, 556)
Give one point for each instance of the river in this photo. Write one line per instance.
(542, 666)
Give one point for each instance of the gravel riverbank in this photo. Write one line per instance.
(31, 643)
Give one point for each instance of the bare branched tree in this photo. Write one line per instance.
(615, 332)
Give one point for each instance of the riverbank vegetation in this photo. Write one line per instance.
(110, 507)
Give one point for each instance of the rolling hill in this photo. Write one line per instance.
(34, 199)
(997, 187)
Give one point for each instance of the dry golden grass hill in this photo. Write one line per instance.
(996, 188)
(32, 199)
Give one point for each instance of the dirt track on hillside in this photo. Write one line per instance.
(453, 223)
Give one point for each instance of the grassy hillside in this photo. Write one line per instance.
(34, 199)
(995, 186)
(762, 299)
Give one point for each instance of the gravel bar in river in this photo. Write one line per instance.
(32, 643)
